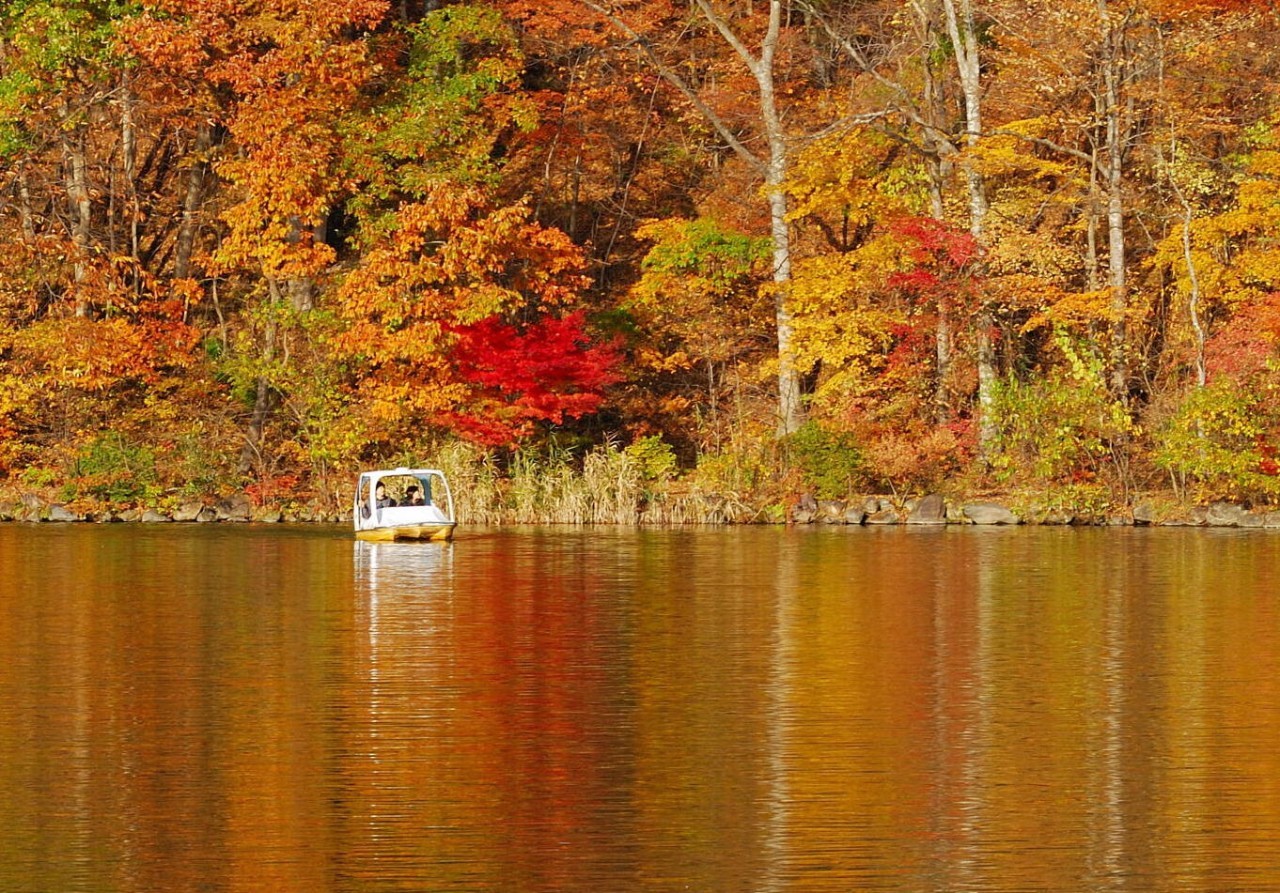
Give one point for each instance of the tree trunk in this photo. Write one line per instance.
(302, 292)
(197, 174)
(24, 204)
(1193, 300)
(1112, 47)
(129, 167)
(790, 407)
(1091, 228)
(129, 162)
(964, 40)
(81, 208)
(265, 401)
(773, 168)
(937, 151)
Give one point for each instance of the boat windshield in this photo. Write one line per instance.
(399, 489)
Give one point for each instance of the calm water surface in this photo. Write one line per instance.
(200, 708)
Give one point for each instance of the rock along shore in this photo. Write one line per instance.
(232, 509)
(935, 510)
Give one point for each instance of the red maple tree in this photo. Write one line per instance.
(547, 371)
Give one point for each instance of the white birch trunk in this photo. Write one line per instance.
(1112, 46)
(963, 34)
(790, 408)
(772, 167)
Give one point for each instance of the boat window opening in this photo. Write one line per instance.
(398, 487)
(363, 495)
(424, 483)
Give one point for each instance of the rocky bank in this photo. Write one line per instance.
(934, 509)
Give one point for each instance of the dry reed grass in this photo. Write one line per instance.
(610, 485)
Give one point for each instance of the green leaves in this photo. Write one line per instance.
(704, 248)
(830, 461)
(59, 55)
(1223, 441)
(1063, 428)
(445, 115)
(55, 37)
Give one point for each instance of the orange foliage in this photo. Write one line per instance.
(269, 144)
(426, 303)
(289, 77)
(1177, 9)
(1247, 343)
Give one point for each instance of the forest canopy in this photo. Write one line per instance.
(774, 246)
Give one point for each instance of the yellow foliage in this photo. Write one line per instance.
(656, 361)
(16, 392)
(1233, 252)
(839, 318)
(1073, 311)
(850, 176)
(1015, 251)
(91, 355)
(836, 282)
(1008, 157)
(701, 296)
(674, 405)
(1261, 267)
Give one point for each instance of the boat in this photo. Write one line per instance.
(403, 504)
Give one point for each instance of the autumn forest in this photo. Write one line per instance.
(750, 248)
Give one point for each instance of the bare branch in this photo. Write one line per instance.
(1047, 144)
(754, 63)
(672, 77)
(905, 105)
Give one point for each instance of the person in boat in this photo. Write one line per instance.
(382, 499)
(413, 496)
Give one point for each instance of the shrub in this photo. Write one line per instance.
(114, 470)
(1064, 428)
(1223, 442)
(830, 461)
(737, 471)
(916, 460)
(656, 458)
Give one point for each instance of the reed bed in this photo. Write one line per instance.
(608, 485)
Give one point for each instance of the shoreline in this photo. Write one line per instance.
(704, 510)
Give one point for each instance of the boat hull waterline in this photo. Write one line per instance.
(438, 533)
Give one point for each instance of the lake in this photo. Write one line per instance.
(235, 708)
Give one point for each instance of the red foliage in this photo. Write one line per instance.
(271, 488)
(545, 372)
(911, 348)
(936, 243)
(941, 256)
(965, 433)
(1243, 346)
(1267, 464)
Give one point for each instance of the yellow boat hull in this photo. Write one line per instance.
(439, 533)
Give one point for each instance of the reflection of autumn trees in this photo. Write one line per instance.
(163, 735)
(180, 711)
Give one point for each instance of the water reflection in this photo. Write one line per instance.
(559, 710)
(395, 579)
(402, 567)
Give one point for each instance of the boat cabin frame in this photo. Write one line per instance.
(434, 519)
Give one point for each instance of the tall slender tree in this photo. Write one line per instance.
(755, 41)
